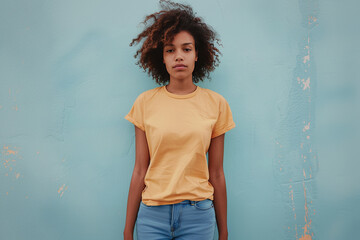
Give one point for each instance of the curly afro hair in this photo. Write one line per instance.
(172, 19)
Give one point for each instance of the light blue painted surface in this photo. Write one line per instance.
(68, 77)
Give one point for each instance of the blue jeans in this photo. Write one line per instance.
(187, 220)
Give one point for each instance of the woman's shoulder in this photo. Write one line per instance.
(149, 93)
(213, 94)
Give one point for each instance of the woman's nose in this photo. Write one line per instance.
(178, 55)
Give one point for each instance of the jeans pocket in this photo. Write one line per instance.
(204, 204)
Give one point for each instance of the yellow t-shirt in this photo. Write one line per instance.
(179, 129)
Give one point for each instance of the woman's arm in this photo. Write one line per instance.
(217, 179)
(137, 185)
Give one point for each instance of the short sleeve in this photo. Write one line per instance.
(225, 120)
(136, 114)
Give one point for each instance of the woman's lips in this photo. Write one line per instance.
(180, 67)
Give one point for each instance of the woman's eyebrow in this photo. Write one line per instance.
(181, 44)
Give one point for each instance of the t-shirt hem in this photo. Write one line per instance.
(136, 123)
(157, 203)
(223, 130)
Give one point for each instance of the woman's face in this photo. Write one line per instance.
(181, 51)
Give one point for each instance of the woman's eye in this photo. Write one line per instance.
(186, 49)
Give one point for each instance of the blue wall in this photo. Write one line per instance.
(288, 71)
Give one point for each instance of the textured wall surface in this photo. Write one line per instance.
(289, 71)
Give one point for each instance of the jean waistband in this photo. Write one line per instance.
(190, 202)
(187, 202)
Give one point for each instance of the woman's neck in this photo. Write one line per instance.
(177, 87)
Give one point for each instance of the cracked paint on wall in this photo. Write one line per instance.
(296, 154)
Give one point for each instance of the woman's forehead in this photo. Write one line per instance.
(181, 38)
(184, 44)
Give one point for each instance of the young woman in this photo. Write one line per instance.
(174, 193)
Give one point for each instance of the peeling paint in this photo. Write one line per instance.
(306, 127)
(9, 156)
(306, 82)
(62, 189)
(297, 156)
(307, 225)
